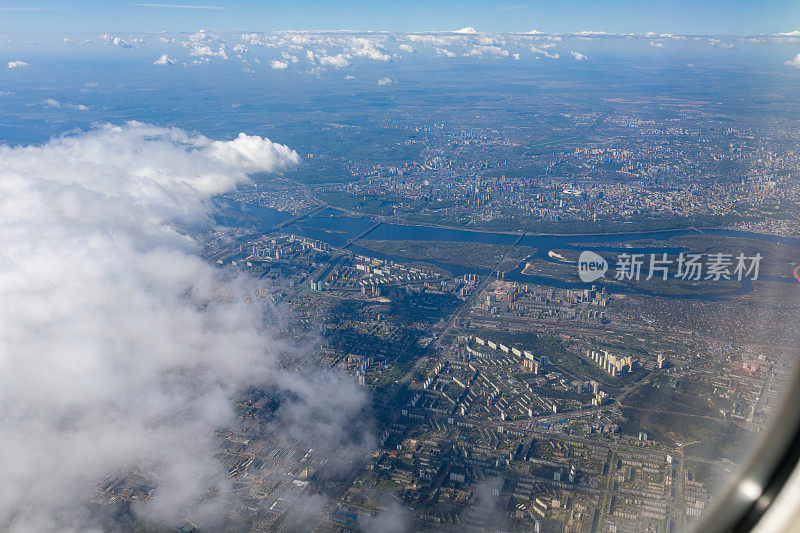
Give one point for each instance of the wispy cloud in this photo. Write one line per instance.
(50, 102)
(181, 6)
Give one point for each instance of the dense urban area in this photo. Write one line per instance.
(507, 393)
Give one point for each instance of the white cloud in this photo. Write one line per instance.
(657, 44)
(205, 51)
(717, 42)
(491, 51)
(201, 36)
(795, 62)
(17, 64)
(468, 30)
(794, 33)
(363, 47)
(535, 32)
(541, 50)
(279, 65)
(51, 102)
(436, 40)
(337, 61)
(406, 48)
(164, 59)
(116, 41)
(120, 347)
(578, 56)
(591, 33)
(444, 52)
(385, 81)
(516, 57)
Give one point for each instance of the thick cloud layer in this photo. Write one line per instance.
(119, 347)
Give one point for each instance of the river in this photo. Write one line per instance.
(337, 230)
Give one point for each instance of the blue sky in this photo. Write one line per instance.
(620, 16)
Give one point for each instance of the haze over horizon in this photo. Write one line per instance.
(715, 17)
